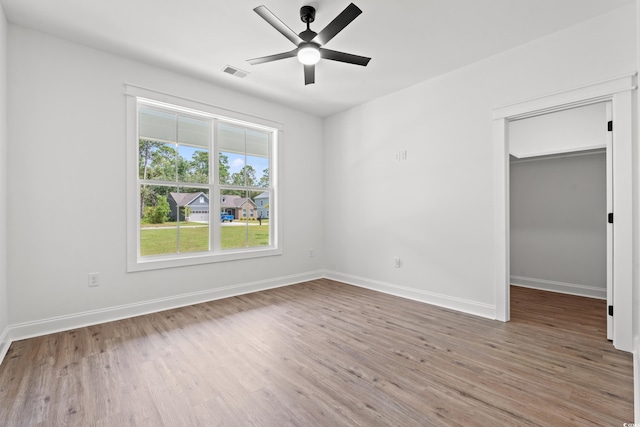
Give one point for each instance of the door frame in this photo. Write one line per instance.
(618, 91)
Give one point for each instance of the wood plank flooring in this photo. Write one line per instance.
(322, 353)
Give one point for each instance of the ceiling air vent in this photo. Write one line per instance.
(235, 71)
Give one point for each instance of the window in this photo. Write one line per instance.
(181, 156)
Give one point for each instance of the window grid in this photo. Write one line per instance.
(214, 188)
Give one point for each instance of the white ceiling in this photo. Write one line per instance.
(409, 40)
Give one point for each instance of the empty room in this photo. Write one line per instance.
(316, 213)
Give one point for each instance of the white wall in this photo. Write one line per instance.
(576, 129)
(4, 305)
(67, 150)
(558, 224)
(435, 210)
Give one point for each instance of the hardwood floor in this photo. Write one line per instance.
(322, 353)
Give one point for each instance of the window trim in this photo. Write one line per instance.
(150, 97)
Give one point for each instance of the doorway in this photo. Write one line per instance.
(618, 92)
(560, 194)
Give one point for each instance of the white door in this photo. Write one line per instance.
(609, 160)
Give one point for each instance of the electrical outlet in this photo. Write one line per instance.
(94, 279)
(396, 262)
(311, 253)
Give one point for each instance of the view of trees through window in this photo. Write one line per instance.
(176, 155)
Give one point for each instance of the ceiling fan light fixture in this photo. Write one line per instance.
(309, 54)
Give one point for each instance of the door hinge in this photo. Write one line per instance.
(610, 310)
(610, 126)
(610, 218)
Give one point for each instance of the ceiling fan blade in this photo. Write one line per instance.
(309, 74)
(275, 57)
(276, 23)
(349, 58)
(346, 16)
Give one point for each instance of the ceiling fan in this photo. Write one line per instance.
(308, 43)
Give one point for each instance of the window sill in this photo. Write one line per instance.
(176, 260)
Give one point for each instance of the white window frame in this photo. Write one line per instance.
(136, 95)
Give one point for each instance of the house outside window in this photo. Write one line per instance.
(180, 160)
(262, 203)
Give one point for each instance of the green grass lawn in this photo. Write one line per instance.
(163, 240)
(173, 224)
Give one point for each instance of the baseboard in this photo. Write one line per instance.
(87, 318)
(446, 301)
(78, 320)
(561, 287)
(5, 343)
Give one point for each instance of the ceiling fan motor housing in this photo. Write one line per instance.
(307, 14)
